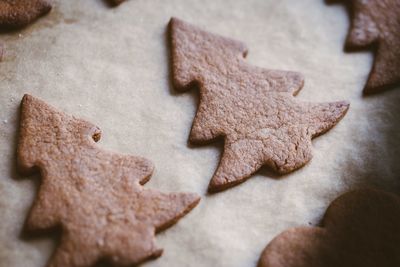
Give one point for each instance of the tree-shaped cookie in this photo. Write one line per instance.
(360, 229)
(252, 108)
(19, 13)
(376, 24)
(95, 196)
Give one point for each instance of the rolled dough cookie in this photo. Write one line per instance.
(360, 229)
(19, 13)
(251, 108)
(95, 196)
(376, 23)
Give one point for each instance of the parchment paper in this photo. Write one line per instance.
(111, 67)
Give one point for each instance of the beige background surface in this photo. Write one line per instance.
(110, 66)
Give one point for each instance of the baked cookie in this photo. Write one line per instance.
(359, 229)
(251, 108)
(95, 196)
(19, 13)
(376, 24)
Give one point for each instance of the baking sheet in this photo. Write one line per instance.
(110, 66)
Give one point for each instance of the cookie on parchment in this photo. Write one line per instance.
(251, 108)
(96, 196)
(19, 13)
(376, 24)
(360, 229)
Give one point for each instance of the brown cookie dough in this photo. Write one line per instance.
(376, 24)
(95, 196)
(359, 229)
(251, 108)
(19, 13)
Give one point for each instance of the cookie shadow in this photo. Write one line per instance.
(192, 88)
(109, 3)
(267, 172)
(350, 15)
(371, 48)
(25, 234)
(377, 163)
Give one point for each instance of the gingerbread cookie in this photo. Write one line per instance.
(95, 196)
(252, 108)
(16, 14)
(376, 23)
(359, 229)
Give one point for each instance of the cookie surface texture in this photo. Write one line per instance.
(376, 24)
(19, 13)
(95, 196)
(360, 229)
(251, 108)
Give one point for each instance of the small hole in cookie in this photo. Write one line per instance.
(96, 136)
